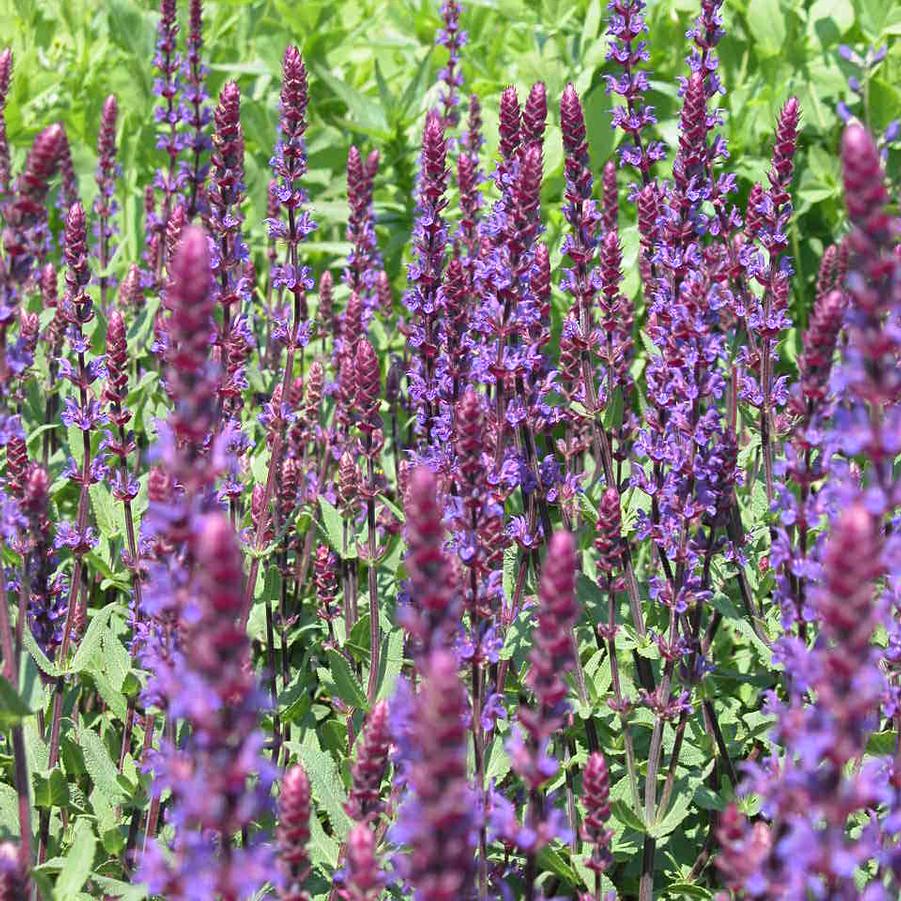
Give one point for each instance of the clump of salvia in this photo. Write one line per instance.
(536, 585)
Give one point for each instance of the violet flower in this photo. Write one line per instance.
(438, 820)
(551, 658)
(25, 236)
(364, 260)
(364, 803)
(195, 114)
(6, 71)
(293, 834)
(635, 116)
(14, 880)
(167, 86)
(224, 197)
(82, 411)
(596, 800)
(431, 611)
(289, 165)
(469, 177)
(362, 878)
(68, 189)
(810, 790)
(424, 276)
(454, 39)
(105, 206)
(218, 781)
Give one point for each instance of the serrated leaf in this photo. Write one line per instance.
(392, 664)
(79, 861)
(623, 812)
(346, 682)
(13, 708)
(678, 811)
(332, 524)
(325, 783)
(90, 644)
(550, 859)
(107, 511)
(9, 810)
(323, 848)
(51, 789)
(40, 658)
(100, 767)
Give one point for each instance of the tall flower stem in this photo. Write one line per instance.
(20, 761)
(374, 627)
(79, 312)
(290, 165)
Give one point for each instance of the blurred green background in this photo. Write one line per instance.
(373, 66)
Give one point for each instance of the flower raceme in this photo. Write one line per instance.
(453, 598)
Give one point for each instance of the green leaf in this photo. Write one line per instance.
(613, 412)
(325, 783)
(880, 743)
(679, 810)
(346, 682)
(358, 640)
(323, 848)
(107, 511)
(687, 890)
(90, 644)
(40, 658)
(13, 708)
(766, 21)
(551, 859)
(497, 761)
(113, 888)
(398, 513)
(623, 812)
(333, 525)
(100, 767)
(392, 664)
(79, 861)
(51, 789)
(9, 810)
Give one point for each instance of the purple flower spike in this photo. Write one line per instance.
(438, 821)
(454, 39)
(634, 117)
(6, 71)
(196, 115)
(509, 127)
(362, 879)
(364, 260)
(218, 782)
(364, 804)
(596, 798)
(552, 656)
(105, 206)
(289, 165)
(294, 833)
(224, 197)
(424, 274)
(191, 379)
(534, 116)
(431, 614)
(167, 86)
(25, 236)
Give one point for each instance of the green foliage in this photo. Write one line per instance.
(372, 68)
